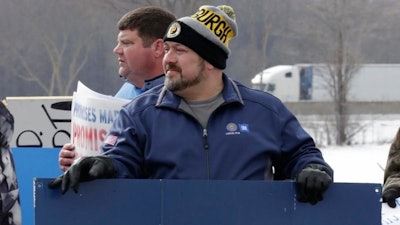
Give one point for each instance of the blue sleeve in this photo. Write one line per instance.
(123, 146)
(298, 148)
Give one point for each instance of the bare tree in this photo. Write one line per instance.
(178, 7)
(259, 25)
(341, 43)
(51, 50)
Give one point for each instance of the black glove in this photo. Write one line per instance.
(390, 195)
(312, 181)
(85, 169)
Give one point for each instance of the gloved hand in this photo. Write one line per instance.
(312, 181)
(390, 195)
(85, 169)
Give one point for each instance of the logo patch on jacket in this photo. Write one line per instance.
(233, 128)
(244, 127)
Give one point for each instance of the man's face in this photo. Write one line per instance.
(182, 66)
(134, 59)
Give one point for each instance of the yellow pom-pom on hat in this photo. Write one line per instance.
(228, 10)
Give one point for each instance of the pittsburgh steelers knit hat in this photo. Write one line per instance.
(207, 32)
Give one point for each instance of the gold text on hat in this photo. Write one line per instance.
(216, 23)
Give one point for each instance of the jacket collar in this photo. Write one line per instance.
(230, 93)
(149, 84)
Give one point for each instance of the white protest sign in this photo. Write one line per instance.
(92, 115)
(40, 122)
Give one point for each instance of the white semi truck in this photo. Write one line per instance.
(292, 83)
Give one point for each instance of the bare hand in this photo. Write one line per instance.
(66, 156)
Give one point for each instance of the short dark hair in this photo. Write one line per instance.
(151, 23)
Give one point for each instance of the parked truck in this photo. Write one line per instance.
(292, 83)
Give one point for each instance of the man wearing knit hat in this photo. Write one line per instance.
(203, 125)
(207, 32)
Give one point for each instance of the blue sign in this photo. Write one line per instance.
(182, 202)
(30, 163)
(196, 202)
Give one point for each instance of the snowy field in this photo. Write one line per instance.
(358, 163)
(363, 162)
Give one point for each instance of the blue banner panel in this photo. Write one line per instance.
(192, 202)
(30, 163)
(99, 202)
(228, 202)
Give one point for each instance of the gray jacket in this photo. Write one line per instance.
(392, 170)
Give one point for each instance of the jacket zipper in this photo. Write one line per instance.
(205, 142)
(205, 145)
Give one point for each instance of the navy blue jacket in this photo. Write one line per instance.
(252, 136)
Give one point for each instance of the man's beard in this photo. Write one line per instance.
(181, 83)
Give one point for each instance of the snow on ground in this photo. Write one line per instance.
(365, 161)
(358, 163)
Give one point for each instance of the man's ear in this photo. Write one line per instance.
(158, 47)
(209, 65)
